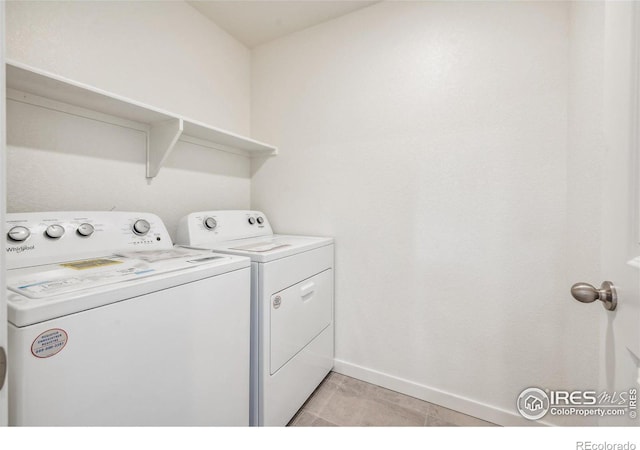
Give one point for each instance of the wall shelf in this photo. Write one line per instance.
(29, 85)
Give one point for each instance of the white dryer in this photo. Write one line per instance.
(292, 306)
(109, 324)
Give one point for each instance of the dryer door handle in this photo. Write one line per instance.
(307, 289)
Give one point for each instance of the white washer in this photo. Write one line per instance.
(292, 306)
(109, 324)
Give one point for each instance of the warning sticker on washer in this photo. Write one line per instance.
(49, 343)
(75, 276)
(90, 263)
(67, 280)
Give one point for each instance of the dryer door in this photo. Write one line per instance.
(298, 314)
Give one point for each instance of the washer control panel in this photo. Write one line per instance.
(208, 227)
(48, 237)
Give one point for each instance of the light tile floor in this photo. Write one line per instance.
(345, 401)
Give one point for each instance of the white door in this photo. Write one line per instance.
(620, 337)
(3, 300)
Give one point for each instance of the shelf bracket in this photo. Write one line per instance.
(161, 141)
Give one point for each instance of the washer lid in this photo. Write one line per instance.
(269, 248)
(44, 292)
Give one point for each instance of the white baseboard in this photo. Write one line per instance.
(464, 405)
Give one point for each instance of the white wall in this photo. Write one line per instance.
(431, 139)
(585, 157)
(165, 54)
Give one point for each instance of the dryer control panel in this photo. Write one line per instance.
(207, 227)
(49, 237)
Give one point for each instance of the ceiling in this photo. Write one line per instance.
(255, 22)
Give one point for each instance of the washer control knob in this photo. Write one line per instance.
(141, 227)
(210, 223)
(54, 231)
(85, 229)
(260, 220)
(19, 234)
(252, 221)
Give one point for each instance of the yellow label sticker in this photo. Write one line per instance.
(90, 264)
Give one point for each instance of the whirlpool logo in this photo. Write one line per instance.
(20, 249)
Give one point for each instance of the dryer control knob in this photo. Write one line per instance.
(54, 231)
(85, 229)
(141, 227)
(19, 234)
(210, 223)
(260, 220)
(252, 221)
